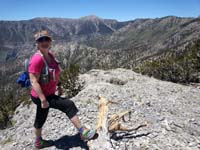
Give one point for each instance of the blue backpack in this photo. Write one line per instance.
(24, 79)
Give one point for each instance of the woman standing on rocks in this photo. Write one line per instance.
(43, 91)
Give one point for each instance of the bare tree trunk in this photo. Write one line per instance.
(106, 127)
(103, 140)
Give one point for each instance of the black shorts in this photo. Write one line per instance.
(65, 105)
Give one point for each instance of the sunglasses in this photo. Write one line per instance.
(44, 39)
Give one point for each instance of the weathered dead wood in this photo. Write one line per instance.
(103, 113)
(115, 125)
(106, 126)
(102, 142)
(114, 121)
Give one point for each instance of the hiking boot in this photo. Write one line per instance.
(87, 134)
(41, 143)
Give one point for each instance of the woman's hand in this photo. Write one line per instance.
(44, 104)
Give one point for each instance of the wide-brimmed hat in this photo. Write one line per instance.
(41, 34)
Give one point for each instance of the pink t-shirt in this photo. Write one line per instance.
(36, 64)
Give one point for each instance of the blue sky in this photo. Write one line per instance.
(121, 10)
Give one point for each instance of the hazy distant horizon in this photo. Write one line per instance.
(98, 17)
(125, 10)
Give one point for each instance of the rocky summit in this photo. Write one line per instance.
(171, 112)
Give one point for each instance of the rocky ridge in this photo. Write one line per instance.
(170, 110)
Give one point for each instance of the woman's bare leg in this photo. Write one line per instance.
(38, 132)
(75, 120)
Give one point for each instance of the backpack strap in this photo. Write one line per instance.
(45, 69)
(25, 64)
(45, 75)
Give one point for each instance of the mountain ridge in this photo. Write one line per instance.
(125, 44)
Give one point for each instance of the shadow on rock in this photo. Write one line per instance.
(125, 135)
(66, 142)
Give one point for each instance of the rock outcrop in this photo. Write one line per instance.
(171, 112)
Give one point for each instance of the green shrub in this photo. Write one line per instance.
(69, 78)
(181, 67)
(11, 97)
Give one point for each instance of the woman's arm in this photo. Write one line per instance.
(59, 88)
(34, 78)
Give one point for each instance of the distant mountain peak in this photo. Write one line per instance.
(40, 18)
(91, 17)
